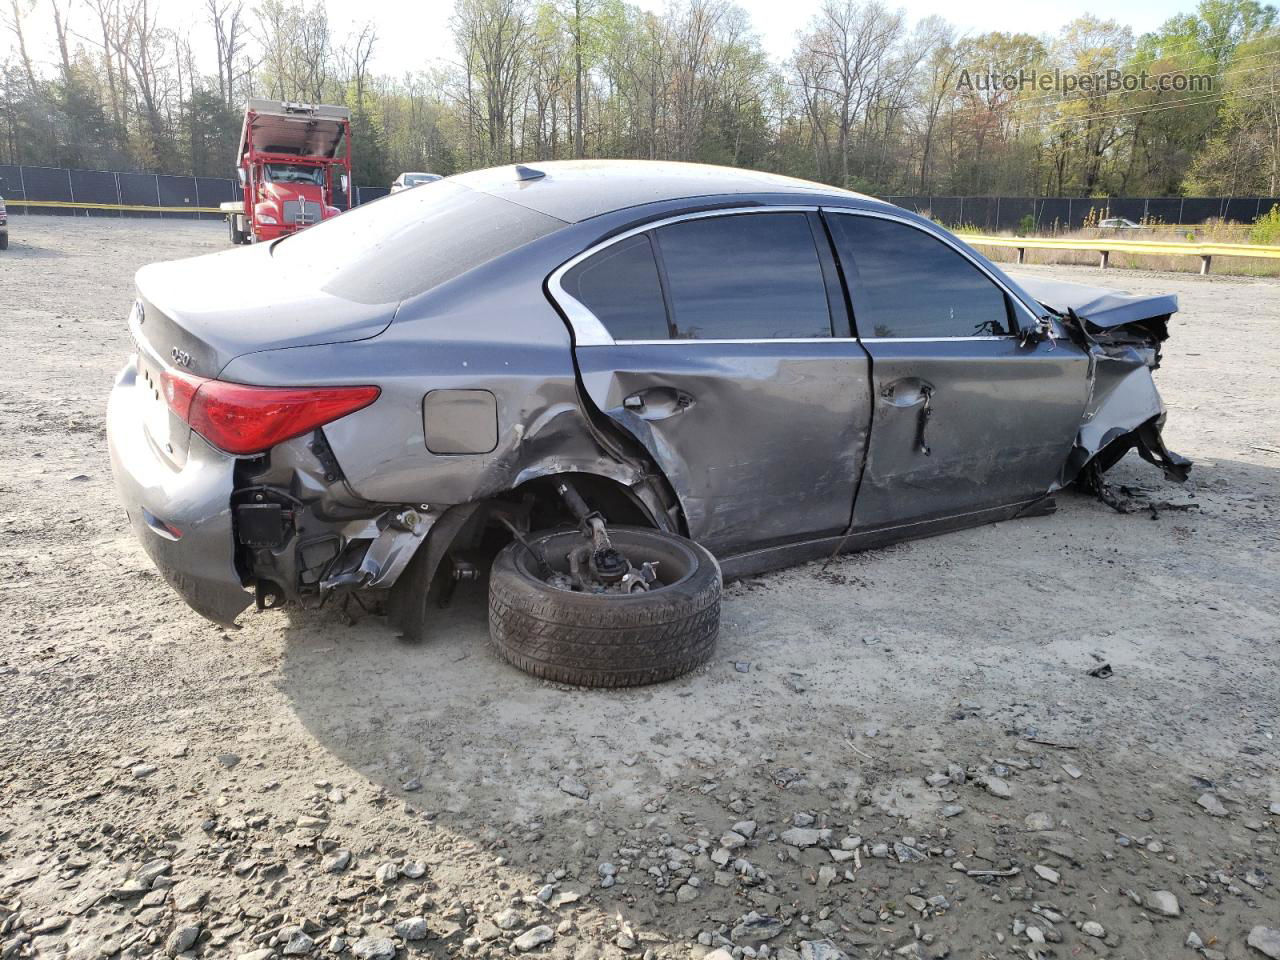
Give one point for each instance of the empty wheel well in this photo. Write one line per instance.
(616, 502)
(481, 528)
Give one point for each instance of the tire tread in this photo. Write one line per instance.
(593, 641)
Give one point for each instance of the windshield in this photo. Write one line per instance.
(292, 173)
(413, 179)
(404, 244)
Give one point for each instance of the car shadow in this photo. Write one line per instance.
(22, 249)
(810, 662)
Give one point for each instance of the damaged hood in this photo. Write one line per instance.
(1122, 335)
(1104, 309)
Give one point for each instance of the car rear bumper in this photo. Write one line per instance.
(182, 517)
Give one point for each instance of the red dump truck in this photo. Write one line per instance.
(294, 164)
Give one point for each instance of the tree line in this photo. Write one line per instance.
(866, 99)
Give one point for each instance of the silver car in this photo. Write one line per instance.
(629, 380)
(407, 180)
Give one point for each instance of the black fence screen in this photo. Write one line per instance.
(1048, 213)
(60, 185)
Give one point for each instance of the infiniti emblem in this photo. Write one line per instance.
(180, 357)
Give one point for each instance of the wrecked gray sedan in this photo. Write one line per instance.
(624, 379)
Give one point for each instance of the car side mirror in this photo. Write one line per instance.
(343, 179)
(241, 174)
(1038, 332)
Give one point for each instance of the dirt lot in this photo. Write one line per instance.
(301, 786)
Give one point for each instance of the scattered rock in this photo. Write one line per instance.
(533, 938)
(1047, 873)
(187, 897)
(1212, 804)
(820, 950)
(1266, 940)
(507, 919)
(373, 948)
(336, 862)
(1164, 903)
(298, 944)
(998, 787)
(1092, 928)
(804, 837)
(755, 928)
(181, 939)
(733, 840)
(908, 854)
(387, 874)
(1038, 822)
(415, 928)
(574, 788)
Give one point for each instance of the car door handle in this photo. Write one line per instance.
(913, 392)
(658, 403)
(907, 392)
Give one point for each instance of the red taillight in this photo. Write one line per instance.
(179, 390)
(240, 418)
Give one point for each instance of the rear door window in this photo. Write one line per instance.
(620, 286)
(744, 277)
(905, 283)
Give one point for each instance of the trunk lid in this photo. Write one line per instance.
(202, 313)
(195, 316)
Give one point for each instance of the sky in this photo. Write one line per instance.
(414, 33)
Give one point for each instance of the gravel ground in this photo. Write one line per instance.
(902, 754)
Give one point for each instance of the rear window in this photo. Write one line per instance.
(620, 286)
(403, 245)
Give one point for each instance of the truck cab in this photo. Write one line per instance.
(294, 165)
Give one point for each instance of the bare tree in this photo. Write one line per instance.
(229, 38)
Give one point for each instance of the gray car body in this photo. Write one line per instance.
(786, 450)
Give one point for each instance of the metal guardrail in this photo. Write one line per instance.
(1105, 246)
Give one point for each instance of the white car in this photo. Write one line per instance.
(1116, 223)
(407, 180)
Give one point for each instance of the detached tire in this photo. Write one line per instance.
(607, 640)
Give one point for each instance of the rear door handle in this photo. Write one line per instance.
(658, 403)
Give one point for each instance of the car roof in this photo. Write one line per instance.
(575, 190)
